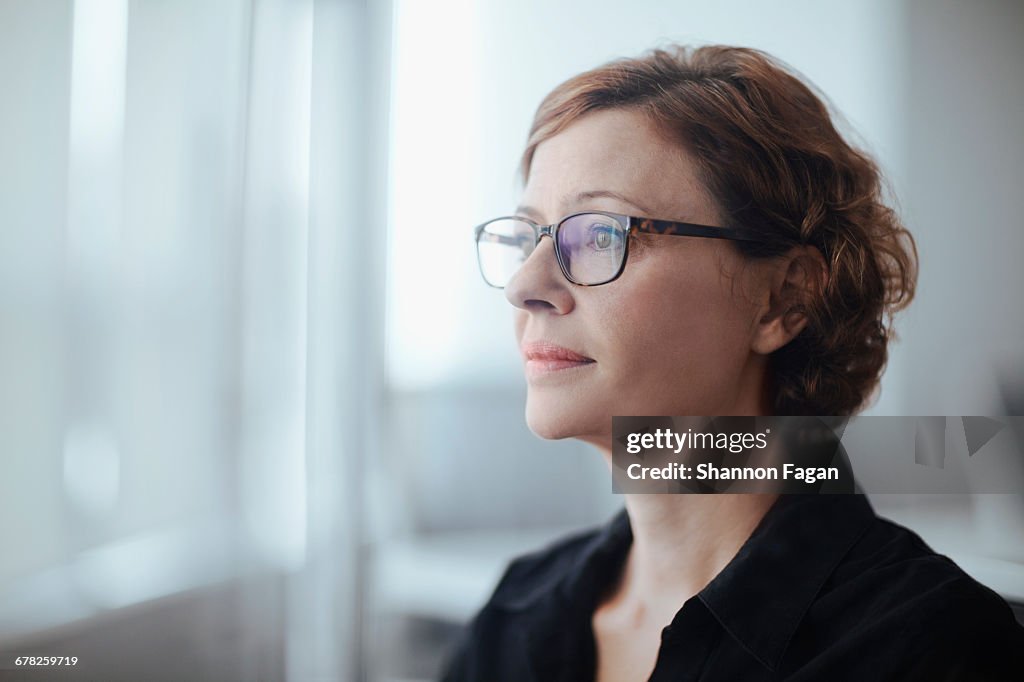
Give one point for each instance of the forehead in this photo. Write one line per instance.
(613, 150)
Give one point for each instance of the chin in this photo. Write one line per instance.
(544, 428)
(554, 422)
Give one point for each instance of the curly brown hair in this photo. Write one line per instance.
(767, 150)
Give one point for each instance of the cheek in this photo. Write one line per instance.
(678, 335)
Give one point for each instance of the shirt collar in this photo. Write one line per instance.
(556, 601)
(600, 560)
(571, 570)
(761, 596)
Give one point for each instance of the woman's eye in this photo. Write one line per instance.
(602, 237)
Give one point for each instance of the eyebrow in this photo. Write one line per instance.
(571, 199)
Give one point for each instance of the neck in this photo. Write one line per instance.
(681, 542)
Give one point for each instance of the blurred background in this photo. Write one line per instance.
(259, 416)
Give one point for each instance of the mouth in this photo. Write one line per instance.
(545, 358)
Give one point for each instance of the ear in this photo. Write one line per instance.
(792, 283)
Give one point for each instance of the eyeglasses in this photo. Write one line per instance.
(591, 247)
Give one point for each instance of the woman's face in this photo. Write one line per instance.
(675, 333)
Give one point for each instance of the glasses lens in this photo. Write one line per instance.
(502, 247)
(592, 247)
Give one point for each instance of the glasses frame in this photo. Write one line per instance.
(631, 224)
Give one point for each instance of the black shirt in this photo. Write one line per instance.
(822, 590)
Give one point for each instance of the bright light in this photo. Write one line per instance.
(98, 74)
(435, 142)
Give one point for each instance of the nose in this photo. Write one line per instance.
(539, 285)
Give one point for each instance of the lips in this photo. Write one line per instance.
(543, 350)
(544, 357)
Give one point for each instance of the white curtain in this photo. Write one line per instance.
(190, 275)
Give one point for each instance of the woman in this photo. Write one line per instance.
(719, 250)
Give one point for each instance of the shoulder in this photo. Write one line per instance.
(893, 566)
(893, 592)
(894, 556)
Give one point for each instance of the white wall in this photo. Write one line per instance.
(965, 153)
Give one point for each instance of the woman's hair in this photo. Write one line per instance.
(768, 152)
